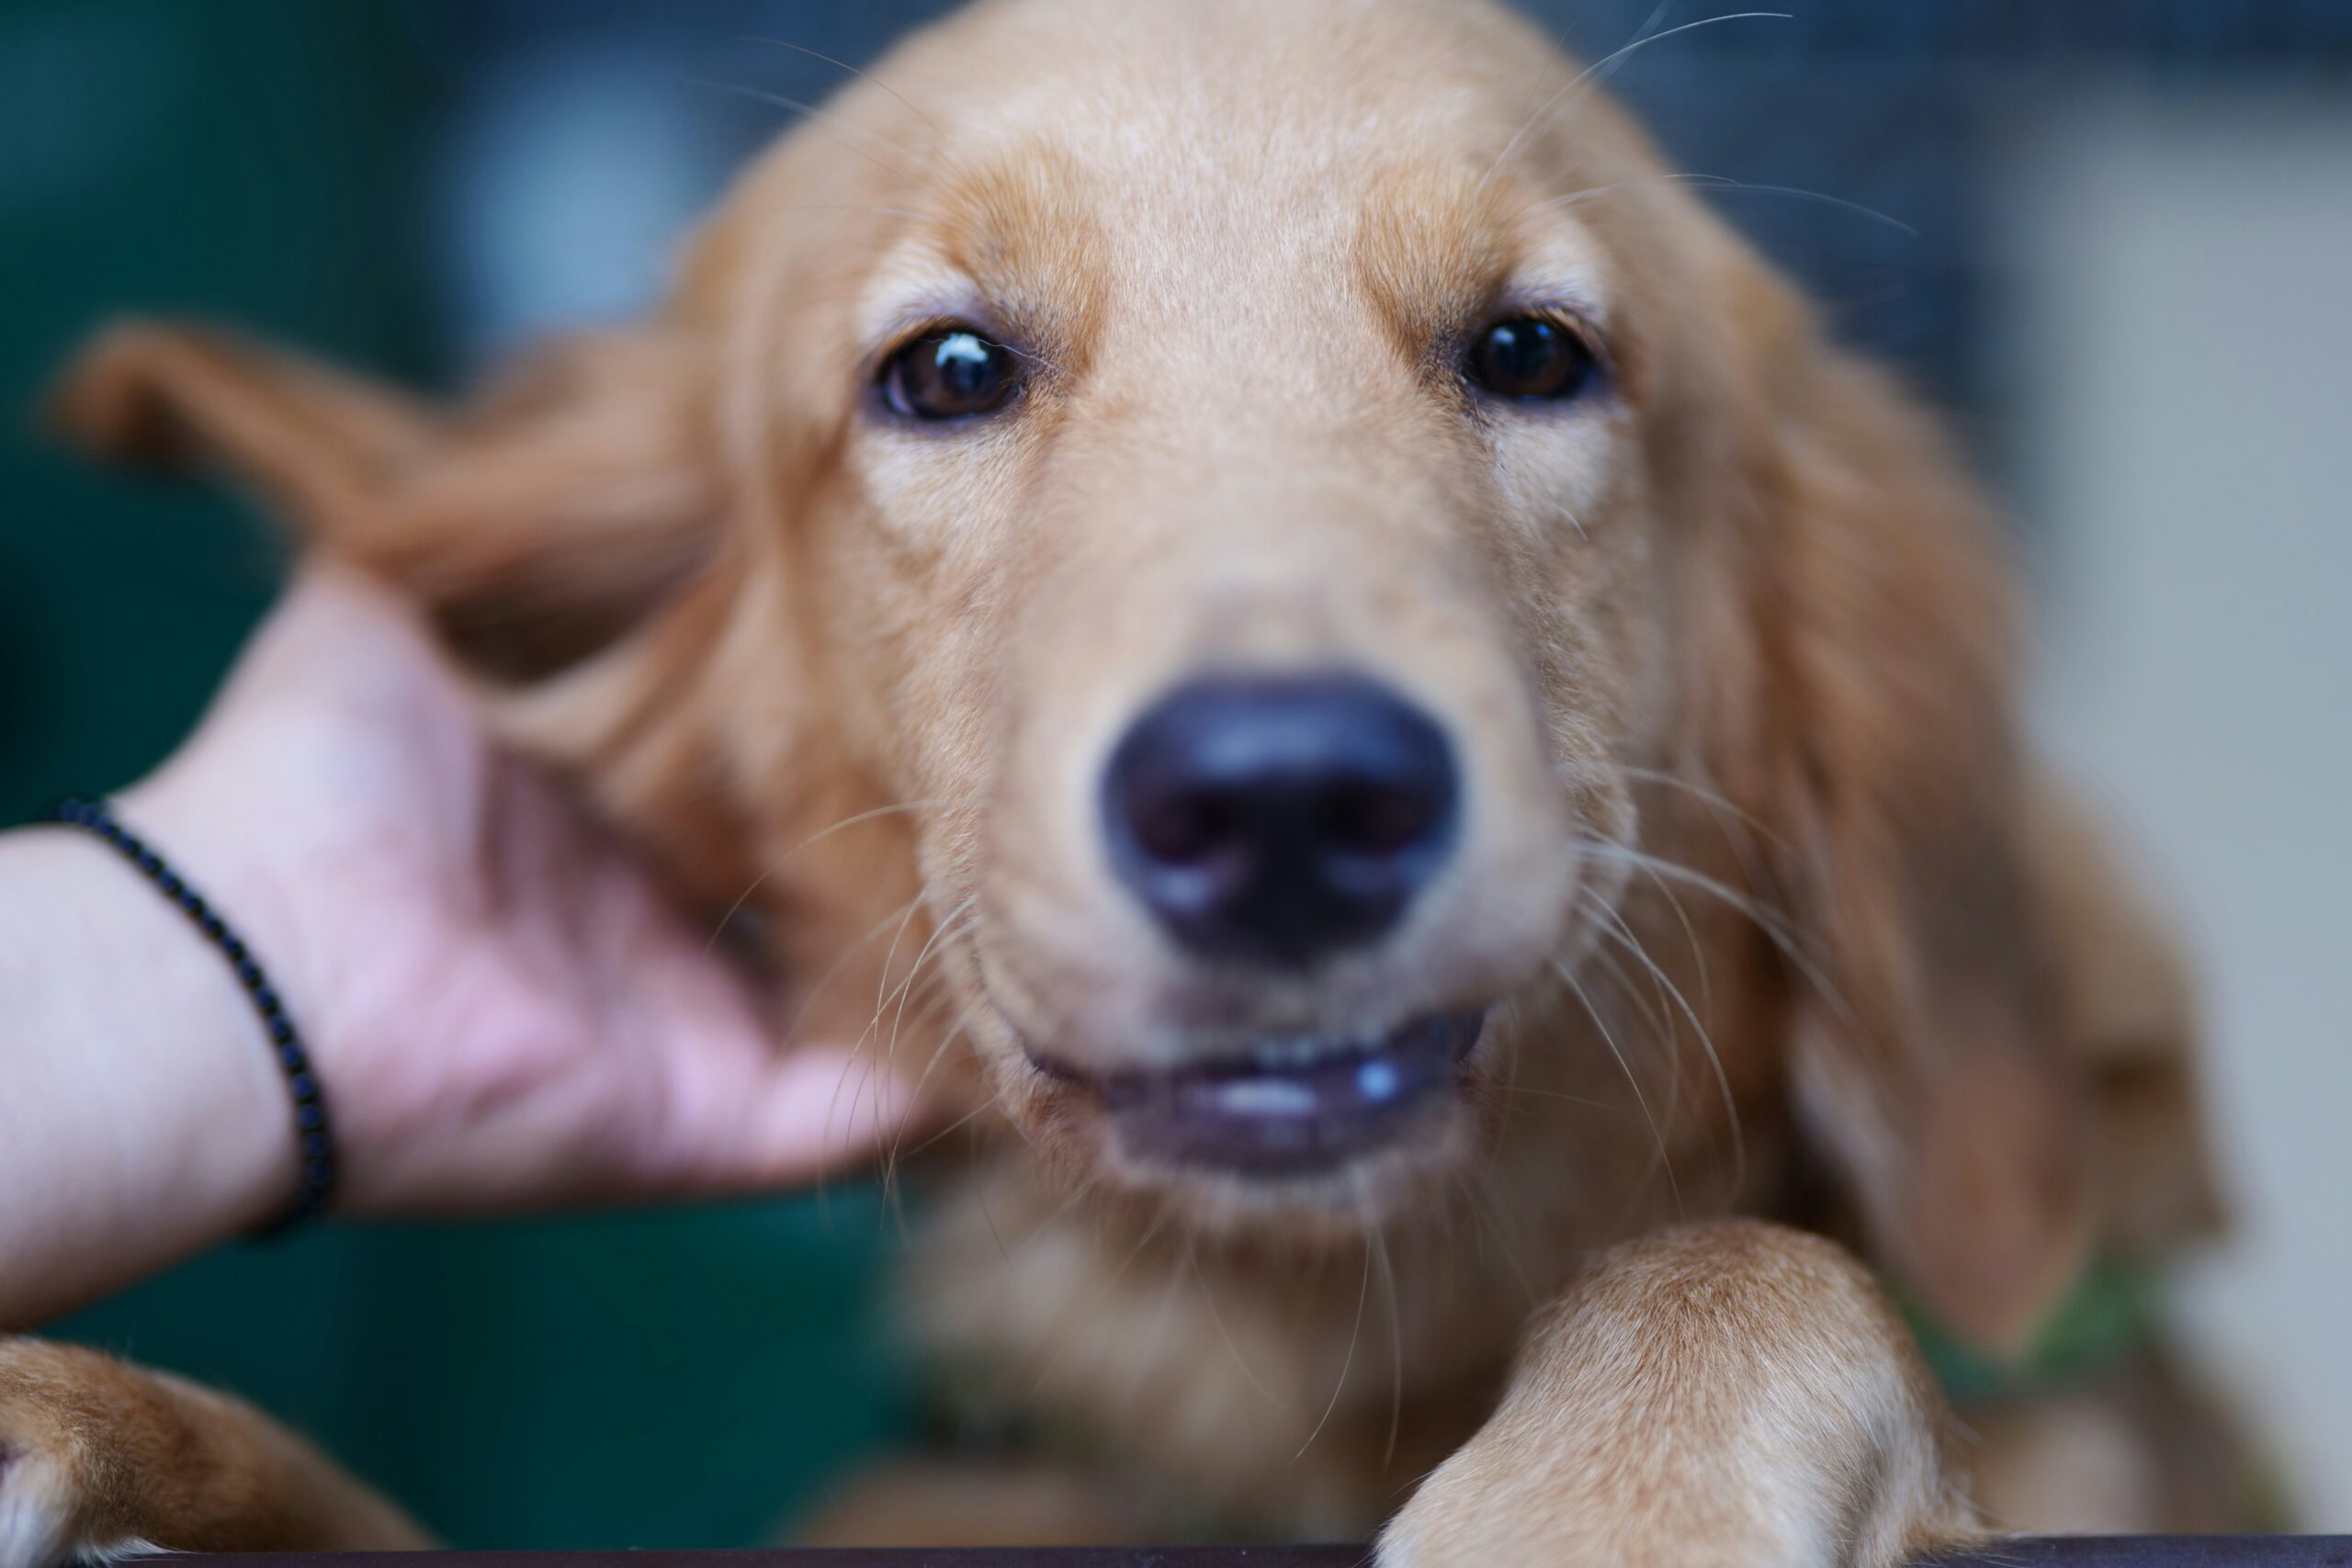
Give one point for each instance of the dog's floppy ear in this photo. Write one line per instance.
(535, 526)
(1926, 1059)
(567, 535)
(2129, 1019)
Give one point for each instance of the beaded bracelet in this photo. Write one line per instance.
(312, 1134)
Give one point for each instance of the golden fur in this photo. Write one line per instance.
(1783, 922)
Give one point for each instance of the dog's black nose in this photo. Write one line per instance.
(1279, 819)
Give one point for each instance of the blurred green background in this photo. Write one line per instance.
(413, 185)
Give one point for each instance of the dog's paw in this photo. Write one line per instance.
(1542, 1495)
(101, 1459)
(34, 1505)
(1471, 1516)
(1461, 1519)
(57, 1407)
(1729, 1395)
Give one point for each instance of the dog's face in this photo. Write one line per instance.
(1186, 552)
(1234, 522)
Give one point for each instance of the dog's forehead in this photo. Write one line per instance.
(1245, 159)
(1262, 92)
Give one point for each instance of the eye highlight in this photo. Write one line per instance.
(951, 372)
(1531, 358)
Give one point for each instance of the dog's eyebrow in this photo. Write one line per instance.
(916, 286)
(901, 314)
(1560, 260)
(934, 298)
(1006, 247)
(1576, 285)
(1440, 252)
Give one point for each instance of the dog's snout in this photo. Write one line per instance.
(1278, 820)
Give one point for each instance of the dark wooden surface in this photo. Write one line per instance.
(2178, 1551)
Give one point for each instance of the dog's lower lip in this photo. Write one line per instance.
(1291, 1107)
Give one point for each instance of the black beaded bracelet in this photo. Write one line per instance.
(314, 1137)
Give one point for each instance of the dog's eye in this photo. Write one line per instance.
(949, 373)
(1531, 359)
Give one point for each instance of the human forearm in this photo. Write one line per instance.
(140, 1118)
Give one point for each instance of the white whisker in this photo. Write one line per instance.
(1208, 1294)
(1766, 921)
(912, 107)
(1664, 1159)
(1661, 1020)
(1364, 1293)
(1396, 1330)
(1623, 935)
(1605, 62)
(834, 123)
(780, 862)
(1724, 183)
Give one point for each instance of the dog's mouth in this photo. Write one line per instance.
(1294, 1107)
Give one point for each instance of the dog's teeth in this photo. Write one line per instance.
(1265, 1097)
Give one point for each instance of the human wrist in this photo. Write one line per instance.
(142, 1106)
(313, 1132)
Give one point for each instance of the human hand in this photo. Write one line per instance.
(502, 1008)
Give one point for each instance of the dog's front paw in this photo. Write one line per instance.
(60, 1453)
(1488, 1508)
(1485, 1507)
(1579, 1506)
(35, 1494)
(1731, 1396)
(100, 1457)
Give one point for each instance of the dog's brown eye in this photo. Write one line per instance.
(1531, 359)
(949, 373)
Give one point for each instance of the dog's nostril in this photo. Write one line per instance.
(1280, 819)
(1377, 819)
(1187, 827)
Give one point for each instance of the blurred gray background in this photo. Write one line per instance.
(2119, 251)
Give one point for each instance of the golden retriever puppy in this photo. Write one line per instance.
(1432, 769)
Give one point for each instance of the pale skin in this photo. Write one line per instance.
(505, 1011)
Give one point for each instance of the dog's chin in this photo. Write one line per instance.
(1332, 1130)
